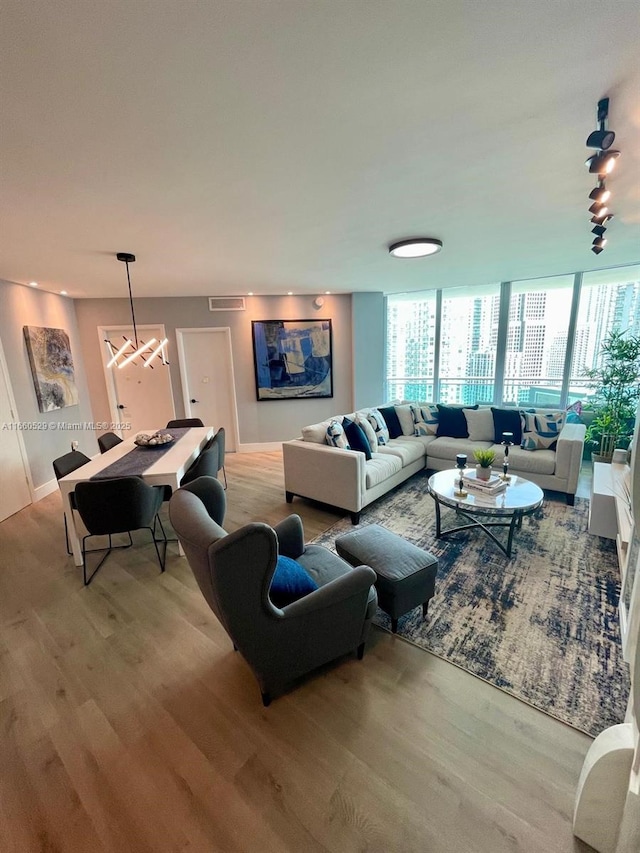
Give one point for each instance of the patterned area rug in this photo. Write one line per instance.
(542, 626)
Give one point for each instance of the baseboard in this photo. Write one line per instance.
(263, 447)
(45, 489)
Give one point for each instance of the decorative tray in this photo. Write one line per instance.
(153, 441)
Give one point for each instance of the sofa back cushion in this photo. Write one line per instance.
(317, 433)
(452, 422)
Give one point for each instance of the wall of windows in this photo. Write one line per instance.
(525, 342)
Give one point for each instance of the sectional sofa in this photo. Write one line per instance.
(351, 479)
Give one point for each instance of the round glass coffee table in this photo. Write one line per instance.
(484, 511)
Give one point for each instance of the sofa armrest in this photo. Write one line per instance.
(326, 474)
(569, 454)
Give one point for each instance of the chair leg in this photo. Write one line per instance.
(66, 534)
(87, 580)
(394, 626)
(162, 560)
(224, 471)
(425, 608)
(360, 651)
(266, 699)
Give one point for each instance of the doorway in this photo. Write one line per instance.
(208, 385)
(140, 397)
(16, 494)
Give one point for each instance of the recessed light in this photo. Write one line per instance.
(327, 292)
(289, 292)
(416, 247)
(250, 293)
(63, 293)
(33, 284)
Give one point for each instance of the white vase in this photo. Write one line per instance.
(483, 473)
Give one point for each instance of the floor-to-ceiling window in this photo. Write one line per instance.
(507, 344)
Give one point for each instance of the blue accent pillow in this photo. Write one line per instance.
(392, 421)
(452, 422)
(356, 437)
(290, 582)
(507, 420)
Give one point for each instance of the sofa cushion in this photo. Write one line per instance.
(448, 448)
(406, 419)
(380, 467)
(425, 419)
(507, 420)
(356, 437)
(541, 430)
(361, 419)
(379, 425)
(452, 422)
(392, 421)
(541, 462)
(317, 433)
(290, 582)
(336, 436)
(479, 424)
(406, 448)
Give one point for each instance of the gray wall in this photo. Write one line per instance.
(27, 306)
(368, 349)
(259, 422)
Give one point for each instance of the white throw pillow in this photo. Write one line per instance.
(406, 419)
(361, 420)
(480, 424)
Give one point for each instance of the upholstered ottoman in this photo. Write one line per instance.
(406, 575)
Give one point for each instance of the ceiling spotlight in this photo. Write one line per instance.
(598, 209)
(602, 163)
(600, 242)
(600, 193)
(600, 139)
(602, 218)
(597, 249)
(417, 247)
(598, 230)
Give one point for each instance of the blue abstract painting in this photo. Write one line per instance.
(51, 365)
(293, 359)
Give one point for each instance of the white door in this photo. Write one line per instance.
(206, 368)
(15, 493)
(139, 396)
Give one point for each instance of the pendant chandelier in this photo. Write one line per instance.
(135, 348)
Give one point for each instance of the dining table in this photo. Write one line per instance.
(157, 465)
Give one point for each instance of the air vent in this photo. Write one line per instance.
(226, 303)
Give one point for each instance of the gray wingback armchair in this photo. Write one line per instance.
(234, 573)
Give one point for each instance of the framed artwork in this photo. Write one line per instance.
(51, 365)
(292, 359)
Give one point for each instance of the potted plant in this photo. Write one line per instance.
(615, 380)
(484, 459)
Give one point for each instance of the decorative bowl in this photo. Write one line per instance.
(156, 439)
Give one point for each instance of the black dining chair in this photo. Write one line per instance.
(218, 441)
(206, 465)
(185, 422)
(62, 466)
(119, 505)
(107, 441)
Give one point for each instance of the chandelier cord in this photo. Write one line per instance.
(133, 316)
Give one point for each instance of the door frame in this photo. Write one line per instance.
(182, 359)
(4, 367)
(105, 355)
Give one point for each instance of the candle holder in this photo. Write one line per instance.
(461, 464)
(507, 442)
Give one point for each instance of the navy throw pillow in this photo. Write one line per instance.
(507, 420)
(392, 421)
(356, 437)
(452, 422)
(290, 582)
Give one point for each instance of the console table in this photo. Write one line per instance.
(610, 507)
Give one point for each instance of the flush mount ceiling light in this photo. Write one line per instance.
(133, 349)
(416, 247)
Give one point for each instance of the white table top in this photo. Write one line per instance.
(520, 495)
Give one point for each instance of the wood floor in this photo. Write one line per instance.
(129, 724)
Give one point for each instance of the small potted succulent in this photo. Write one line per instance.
(484, 460)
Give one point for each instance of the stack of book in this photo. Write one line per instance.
(493, 486)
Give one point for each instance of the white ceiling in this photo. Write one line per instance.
(275, 145)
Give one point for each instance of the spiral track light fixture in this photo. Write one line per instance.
(601, 164)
